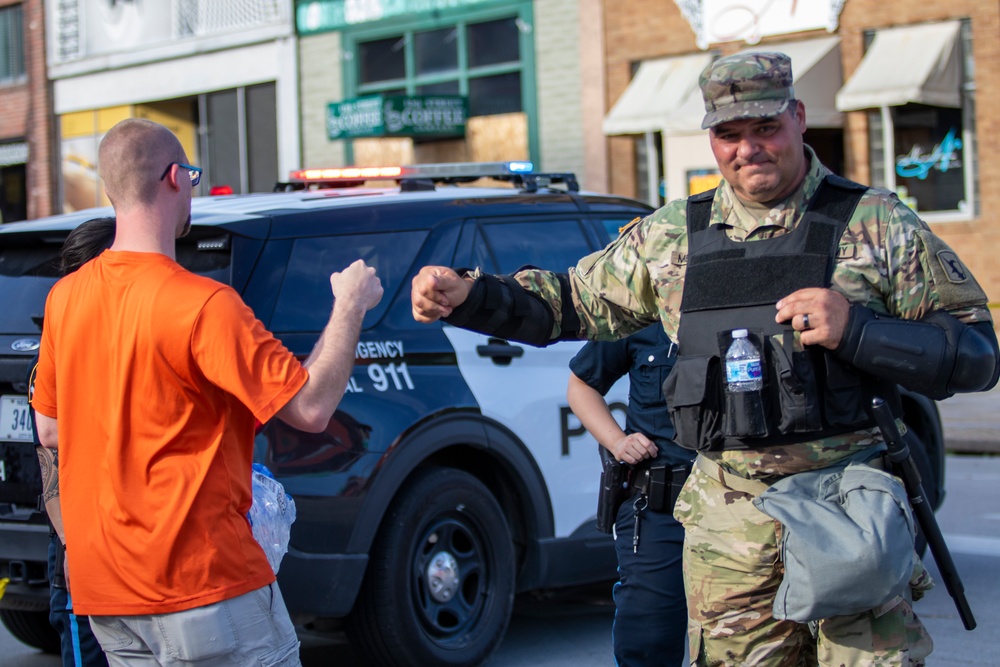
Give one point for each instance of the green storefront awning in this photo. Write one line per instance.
(427, 116)
(314, 16)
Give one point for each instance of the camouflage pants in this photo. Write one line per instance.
(731, 574)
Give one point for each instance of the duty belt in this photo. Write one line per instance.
(659, 483)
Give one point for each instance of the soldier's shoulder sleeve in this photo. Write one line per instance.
(613, 289)
(926, 274)
(954, 287)
(641, 238)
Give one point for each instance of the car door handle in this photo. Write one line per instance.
(500, 351)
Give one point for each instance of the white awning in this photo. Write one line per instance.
(687, 119)
(658, 89)
(817, 75)
(917, 63)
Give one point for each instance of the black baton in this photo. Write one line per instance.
(899, 454)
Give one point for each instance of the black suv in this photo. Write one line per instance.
(452, 476)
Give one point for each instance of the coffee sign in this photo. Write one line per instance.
(427, 116)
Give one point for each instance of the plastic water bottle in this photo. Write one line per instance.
(744, 388)
(743, 369)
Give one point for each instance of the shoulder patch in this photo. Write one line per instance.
(624, 229)
(952, 266)
(954, 284)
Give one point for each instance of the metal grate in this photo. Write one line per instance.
(206, 17)
(67, 30)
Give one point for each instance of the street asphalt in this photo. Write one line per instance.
(972, 422)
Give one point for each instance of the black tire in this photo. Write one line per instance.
(32, 628)
(441, 517)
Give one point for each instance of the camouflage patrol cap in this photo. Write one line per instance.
(746, 85)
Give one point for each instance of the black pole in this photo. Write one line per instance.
(899, 454)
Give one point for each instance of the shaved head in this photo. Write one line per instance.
(133, 155)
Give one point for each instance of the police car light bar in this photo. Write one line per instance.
(450, 170)
(418, 177)
(347, 174)
(467, 169)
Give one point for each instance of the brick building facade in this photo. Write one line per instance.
(534, 83)
(637, 31)
(26, 162)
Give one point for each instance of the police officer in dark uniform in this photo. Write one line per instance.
(651, 615)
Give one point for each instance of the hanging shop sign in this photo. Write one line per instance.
(426, 116)
(13, 153)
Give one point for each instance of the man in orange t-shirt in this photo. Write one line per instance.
(149, 381)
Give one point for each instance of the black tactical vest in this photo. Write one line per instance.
(808, 394)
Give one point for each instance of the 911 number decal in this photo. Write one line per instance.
(398, 374)
(384, 377)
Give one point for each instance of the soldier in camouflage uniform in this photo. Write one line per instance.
(887, 268)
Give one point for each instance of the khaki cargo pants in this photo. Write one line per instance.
(731, 574)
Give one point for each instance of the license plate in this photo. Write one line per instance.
(15, 420)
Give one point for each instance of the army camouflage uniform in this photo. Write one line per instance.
(889, 261)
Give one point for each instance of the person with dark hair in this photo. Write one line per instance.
(156, 457)
(85, 242)
(78, 646)
(796, 298)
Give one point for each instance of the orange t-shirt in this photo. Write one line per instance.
(155, 375)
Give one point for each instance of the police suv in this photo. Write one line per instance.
(452, 476)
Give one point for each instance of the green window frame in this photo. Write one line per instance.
(407, 30)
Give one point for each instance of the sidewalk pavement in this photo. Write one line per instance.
(972, 422)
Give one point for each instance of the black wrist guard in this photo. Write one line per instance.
(500, 306)
(937, 356)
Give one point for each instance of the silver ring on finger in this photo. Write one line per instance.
(805, 322)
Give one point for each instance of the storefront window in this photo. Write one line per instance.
(495, 94)
(650, 187)
(930, 162)
(493, 43)
(13, 194)
(481, 59)
(382, 60)
(11, 45)
(436, 51)
(241, 139)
